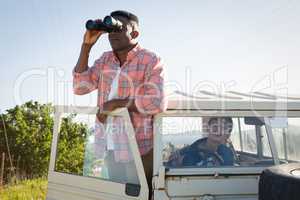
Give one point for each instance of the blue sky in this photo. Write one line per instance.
(245, 45)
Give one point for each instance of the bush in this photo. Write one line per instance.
(29, 131)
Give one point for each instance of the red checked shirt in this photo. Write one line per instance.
(141, 79)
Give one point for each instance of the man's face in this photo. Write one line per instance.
(219, 130)
(121, 40)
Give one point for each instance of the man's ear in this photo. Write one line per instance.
(134, 34)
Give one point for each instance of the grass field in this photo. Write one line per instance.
(25, 190)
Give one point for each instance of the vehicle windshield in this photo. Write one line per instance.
(226, 142)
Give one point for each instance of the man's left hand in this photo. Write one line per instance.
(110, 106)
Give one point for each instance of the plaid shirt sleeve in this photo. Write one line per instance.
(87, 81)
(151, 98)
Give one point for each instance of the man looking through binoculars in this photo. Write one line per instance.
(128, 76)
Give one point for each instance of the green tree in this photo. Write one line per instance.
(71, 146)
(29, 130)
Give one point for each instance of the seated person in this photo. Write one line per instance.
(211, 151)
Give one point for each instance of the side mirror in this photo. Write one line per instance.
(259, 121)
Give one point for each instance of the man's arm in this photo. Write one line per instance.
(82, 63)
(114, 104)
(85, 78)
(150, 98)
(89, 39)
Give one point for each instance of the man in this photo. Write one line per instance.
(211, 151)
(128, 76)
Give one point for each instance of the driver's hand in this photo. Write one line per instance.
(176, 158)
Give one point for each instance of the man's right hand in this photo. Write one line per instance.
(91, 37)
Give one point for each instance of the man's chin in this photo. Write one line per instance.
(114, 48)
(118, 48)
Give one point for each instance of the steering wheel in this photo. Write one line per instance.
(201, 157)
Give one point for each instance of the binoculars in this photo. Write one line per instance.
(108, 24)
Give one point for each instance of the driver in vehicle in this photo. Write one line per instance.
(211, 151)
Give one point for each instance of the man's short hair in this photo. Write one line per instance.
(228, 120)
(128, 15)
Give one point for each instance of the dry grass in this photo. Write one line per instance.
(26, 190)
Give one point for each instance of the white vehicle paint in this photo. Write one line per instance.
(215, 183)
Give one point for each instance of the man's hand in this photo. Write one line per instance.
(91, 36)
(108, 107)
(89, 39)
(176, 158)
(114, 104)
(101, 117)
